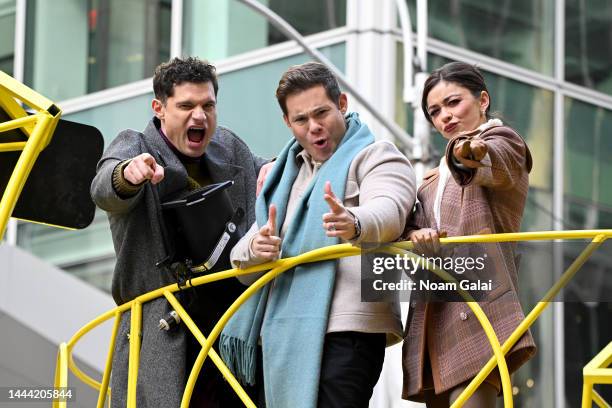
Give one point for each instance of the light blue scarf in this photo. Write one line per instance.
(293, 322)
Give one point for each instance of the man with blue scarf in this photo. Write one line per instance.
(321, 346)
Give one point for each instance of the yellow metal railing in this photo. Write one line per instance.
(37, 128)
(333, 252)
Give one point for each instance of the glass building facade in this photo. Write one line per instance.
(7, 35)
(547, 64)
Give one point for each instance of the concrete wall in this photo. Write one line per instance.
(40, 307)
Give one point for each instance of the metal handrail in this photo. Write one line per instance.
(334, 252)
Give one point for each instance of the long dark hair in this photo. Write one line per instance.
(460, 73)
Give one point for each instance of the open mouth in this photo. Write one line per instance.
(195, 134)
(320, 142)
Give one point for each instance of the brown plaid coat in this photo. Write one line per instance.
(488, 199)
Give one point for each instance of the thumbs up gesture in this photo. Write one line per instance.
(339, 222)
(265, 245)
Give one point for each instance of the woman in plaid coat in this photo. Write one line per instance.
(480, 187)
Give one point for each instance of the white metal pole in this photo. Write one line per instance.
(176, 29)
(422, 128)
(558, 185)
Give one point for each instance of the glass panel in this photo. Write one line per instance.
(104, 43)
(307, 17)
(588, 205)
(588, 152)
(7, 35)
(127, 40)
(236, 28)
(588, 43)
(516, 31)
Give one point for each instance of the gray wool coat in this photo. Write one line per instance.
(136, 226)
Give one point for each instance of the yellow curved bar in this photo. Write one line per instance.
(104, 390)
(61, 373)
(80, 374)
(96, 322)
(332, 252)
(289, 263)
(198, 364)
(484, 322)
(538, 309)
(348, 250)
(23, 167)
(134, 360)
(499, 358)
(117, 312)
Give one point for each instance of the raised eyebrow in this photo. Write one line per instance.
(445, 100)
(450, 97)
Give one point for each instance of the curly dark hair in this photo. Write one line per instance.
(460, 73)
(305, 76)
(177, 71)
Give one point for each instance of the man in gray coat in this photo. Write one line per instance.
(180, 149)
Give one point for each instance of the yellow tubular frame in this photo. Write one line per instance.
(61, 373)
(597, 371)
(334, 252)
(38, 128)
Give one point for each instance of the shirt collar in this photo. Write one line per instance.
(304, 157)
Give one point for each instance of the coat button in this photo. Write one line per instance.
(463, 316)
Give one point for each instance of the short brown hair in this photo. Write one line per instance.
(177, 71)
(305, 76)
